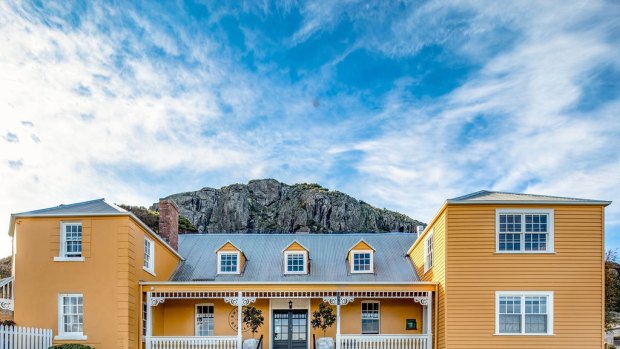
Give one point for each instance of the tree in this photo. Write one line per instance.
(323, 318)
(612, 288)
(253, 318)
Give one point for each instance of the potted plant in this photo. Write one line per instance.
(253, 318)
(324, 318)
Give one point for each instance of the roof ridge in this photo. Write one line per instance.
(63, 206)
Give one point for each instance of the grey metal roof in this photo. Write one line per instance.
(99, 206)
(497, 197)
(327, 253)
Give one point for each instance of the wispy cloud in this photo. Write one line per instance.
(401, 104)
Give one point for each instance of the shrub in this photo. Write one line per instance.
(253, 318)
(323, 318)
(7, 323)
(71, 346)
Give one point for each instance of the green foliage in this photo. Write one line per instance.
(610, 346)
(253, 318)
(7, 323)
(5, 267)
(323, 318)
(185, 226)
(612, 289)
(71, 346)
(151, 219)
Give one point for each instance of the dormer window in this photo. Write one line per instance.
(362, 262)
(295, 259)
(296, 262)
(230, 259)
(228, 262)
(361, 258)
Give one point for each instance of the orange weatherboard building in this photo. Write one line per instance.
(491, 270)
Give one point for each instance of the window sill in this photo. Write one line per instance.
(524, 252)
(524, 334)
(71, 337)
(68, 259)
(150, 271)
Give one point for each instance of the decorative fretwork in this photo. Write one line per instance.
(245, 301)
(155, 301)
(6, 304)
(343, 300)
(423, 299)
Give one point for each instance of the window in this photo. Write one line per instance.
(70, 317)
(145, 314)
(204, 319)
(362, 262)
(295, 262)
(149, 256)
(370, 317)
(428, 252)
(529, 231)
(524, 313)
(70, 242)
(228, 262)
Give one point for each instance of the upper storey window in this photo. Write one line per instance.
(228, 262)
(526, 231)
(230, 259)
(362, 261)
(295, 262)
(149, 255)
(70, 242)
(361, 258)
(428, 252)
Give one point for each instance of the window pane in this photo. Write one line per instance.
(509, 242)
(535, 323)
(228, 263)
(204, 320)
(72, 314)
(509, 323)
(295, 262)
(509, 223)
(361, 261)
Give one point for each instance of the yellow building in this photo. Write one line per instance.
(491, 270)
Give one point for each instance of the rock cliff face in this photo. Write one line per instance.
(269, 206)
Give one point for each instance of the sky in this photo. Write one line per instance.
(402, 104)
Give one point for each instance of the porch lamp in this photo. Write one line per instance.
(290, 304)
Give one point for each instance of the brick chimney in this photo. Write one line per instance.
(169, 222)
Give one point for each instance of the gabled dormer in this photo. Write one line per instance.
(295, 259)
(230, 259)
(361, 258)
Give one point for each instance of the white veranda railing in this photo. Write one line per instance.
(211, 342)
(386, 341)
(15, 337)
(6, 293)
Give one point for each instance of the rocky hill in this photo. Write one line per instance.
(269, 206)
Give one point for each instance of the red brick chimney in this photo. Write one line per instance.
(169, 222)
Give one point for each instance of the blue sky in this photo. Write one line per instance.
(400, 104)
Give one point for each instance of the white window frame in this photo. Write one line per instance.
(378, 319)
(523, 294)
(219, 260)
(429, 250)
(372, 262)
(62, 335)
(151, 261)
(523, 212)
(145, 322)
(305, 265)
(196, 318)
(62, 250)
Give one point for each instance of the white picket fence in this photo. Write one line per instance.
(15, 337)
(209, 342)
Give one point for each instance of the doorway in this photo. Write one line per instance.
(290, 329)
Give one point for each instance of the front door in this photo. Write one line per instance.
(290, 329)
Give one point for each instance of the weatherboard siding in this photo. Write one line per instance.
(436, 274)
(574, 273)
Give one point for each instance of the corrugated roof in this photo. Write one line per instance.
(327, 252)
(98, 206)
(493, 197)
